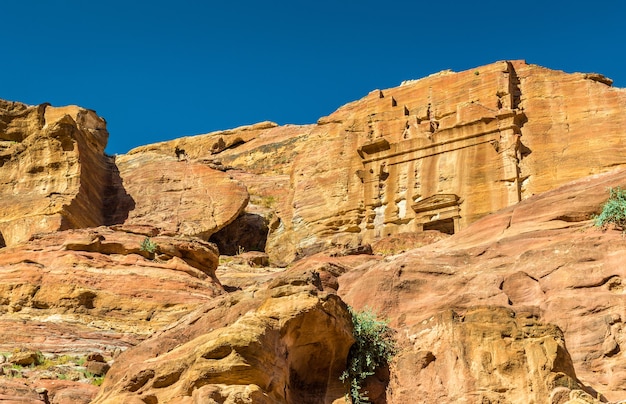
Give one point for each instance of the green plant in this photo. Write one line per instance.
(614, 210)
(148, 245)
(97, 380)
(373, 348)
(40, 359)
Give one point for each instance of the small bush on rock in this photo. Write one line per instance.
(148, 245)
(614, 210)
(373, 348)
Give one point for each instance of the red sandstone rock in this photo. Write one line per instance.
(436, 153)
(402, 242)
(113, 296)
(177, 197)
(45, 391)
(541, 258)
(442, 153)
(52, 169)
(286, 343)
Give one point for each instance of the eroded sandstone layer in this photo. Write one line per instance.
(544, 260)
(287, 344)
(96, 290)
(175, 196)
(53, 170)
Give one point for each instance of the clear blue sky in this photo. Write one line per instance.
(158, 70)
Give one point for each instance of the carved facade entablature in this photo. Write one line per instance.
(440, 212)
(481, 130)
(375, 146)
(436, 202)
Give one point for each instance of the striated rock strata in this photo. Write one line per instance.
(96, 290)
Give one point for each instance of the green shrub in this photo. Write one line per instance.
(148, 245)
(373, 348)
(97, 380)
(614, 210)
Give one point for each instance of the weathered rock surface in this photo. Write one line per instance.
(261, 157)
(53, 170)
(541, 259)
(487, 355)
(45, 391)
(521, 305)
(96, 290)
(433, 154)
(177, 197)
(285, 342)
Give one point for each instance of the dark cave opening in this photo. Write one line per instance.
(443, 226)
(246, 233)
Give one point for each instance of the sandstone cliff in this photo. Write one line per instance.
(435, 153)
(475, 190)
(53, 169)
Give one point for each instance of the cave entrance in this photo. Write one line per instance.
(444, 226)
(246, 233)
(2, 242)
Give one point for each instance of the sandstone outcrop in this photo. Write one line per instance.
(261, 157)
(54, 175)
(487, 355)
(541, 259)
(53, 170)
(96, 290)
(177, 197)
(457, 206)
(45, 391)
(285, 342)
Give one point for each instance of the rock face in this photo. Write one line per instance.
(541, 260)
(52, 169)
(177, 197)
(433, 154)
(96, 290)
(489, 354)
(457, 206)
(54, 176)
(287, 345)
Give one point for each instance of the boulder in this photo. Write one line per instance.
(176, 197)
(25, 357)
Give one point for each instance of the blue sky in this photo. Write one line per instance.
(157, 70)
